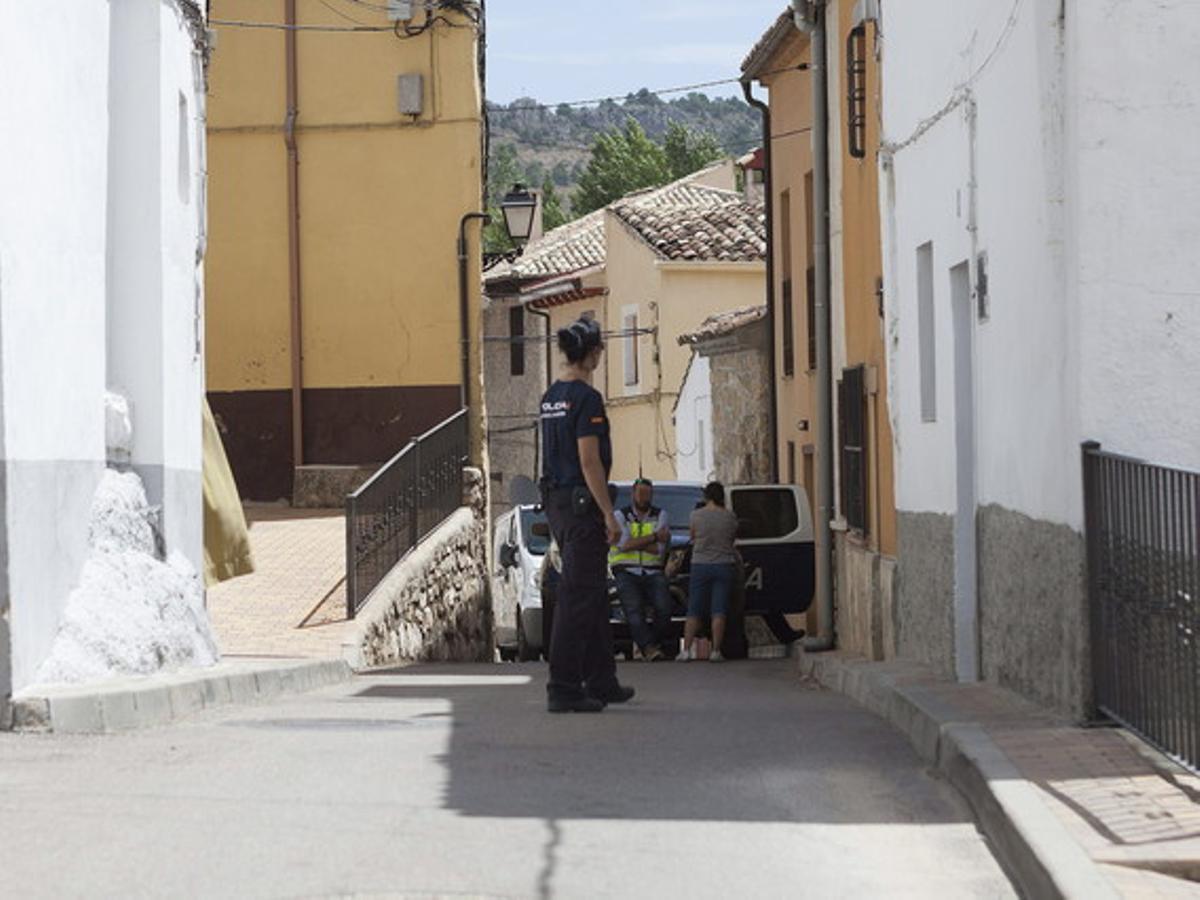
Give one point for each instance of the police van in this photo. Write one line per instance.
(775, 542)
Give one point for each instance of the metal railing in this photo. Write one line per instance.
(1143, 543)
(417, 490)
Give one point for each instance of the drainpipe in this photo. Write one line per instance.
(293, 201)
(810, 16)
(545, 316)
(464, 306)
(549, 347)
(769, 212)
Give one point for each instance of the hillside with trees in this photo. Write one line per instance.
(582, 157)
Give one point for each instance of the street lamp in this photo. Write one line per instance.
(518, 207)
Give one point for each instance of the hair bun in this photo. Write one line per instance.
(569, 337)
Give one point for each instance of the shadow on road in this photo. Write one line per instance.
(743, 742)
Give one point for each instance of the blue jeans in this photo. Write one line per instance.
(636, 593)
(710, 589)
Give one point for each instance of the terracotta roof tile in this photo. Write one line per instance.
(725, 228)
(580, 244)
(724, 323)
(569, 248)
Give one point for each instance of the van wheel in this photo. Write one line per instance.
(525, 653)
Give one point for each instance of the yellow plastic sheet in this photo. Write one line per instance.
(226, 537)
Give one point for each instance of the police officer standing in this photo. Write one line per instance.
(578, 458)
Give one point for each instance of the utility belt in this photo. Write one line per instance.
(577, 497)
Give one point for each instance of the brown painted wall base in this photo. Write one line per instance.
(342, 426)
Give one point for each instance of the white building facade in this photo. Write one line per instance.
(101, 242)
(1039, 205)
(694, 423)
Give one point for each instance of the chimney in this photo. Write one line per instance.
(538, 219)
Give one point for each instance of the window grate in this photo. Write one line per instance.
(789, 331)
(852, 428)
(856, 90)
(810, 288)
(516, 349)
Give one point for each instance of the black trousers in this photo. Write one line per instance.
(581, 644)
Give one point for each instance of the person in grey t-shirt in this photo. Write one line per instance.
(714, 529)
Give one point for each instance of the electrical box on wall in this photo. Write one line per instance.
(410, 94)
(400, 10)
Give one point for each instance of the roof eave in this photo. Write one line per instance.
(758, 60)
(680, 265)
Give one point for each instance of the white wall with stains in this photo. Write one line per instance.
(98, 275)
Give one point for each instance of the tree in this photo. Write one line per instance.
(535, 172)
(504, 170)
(623, 160)
(689, 150)
(552, 211)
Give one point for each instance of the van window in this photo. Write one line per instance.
(535, 544)
(765, 513)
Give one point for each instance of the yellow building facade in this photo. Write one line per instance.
(866, 543)
(643, 373)
(778, 64)
(341, 163)
(647, 295)
(865, 506)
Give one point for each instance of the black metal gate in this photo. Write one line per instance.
(1143, 542)
(401, 504)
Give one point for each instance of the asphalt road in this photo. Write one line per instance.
(732, 780)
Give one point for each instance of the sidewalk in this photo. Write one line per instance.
(279, 629)
(121, 704)
(1072, 812)
(294, 603)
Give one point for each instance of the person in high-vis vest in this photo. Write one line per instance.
(637, 564)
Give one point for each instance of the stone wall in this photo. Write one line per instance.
(512, 401)
(436, 604)
(865, 611)
(1033, 620)
(925, 589)
(1033, 625)
(741, 399)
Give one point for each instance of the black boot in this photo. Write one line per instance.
(614, 693)
(584, 704)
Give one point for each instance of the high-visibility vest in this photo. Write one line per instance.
(618, 558)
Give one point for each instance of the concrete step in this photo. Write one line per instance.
(122, 704)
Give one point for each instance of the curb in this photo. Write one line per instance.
(1030, 841)
(130, 703)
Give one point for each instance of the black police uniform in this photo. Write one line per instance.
(581, 645)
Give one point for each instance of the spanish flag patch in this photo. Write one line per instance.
(597, 420)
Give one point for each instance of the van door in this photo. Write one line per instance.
(776, 540)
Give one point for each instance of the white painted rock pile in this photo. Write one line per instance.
(132, 613)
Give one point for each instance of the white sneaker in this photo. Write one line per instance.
(716, 656)
(685, 655)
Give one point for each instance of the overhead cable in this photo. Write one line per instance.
(533, 107)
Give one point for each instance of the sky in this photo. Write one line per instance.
(563, 50)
